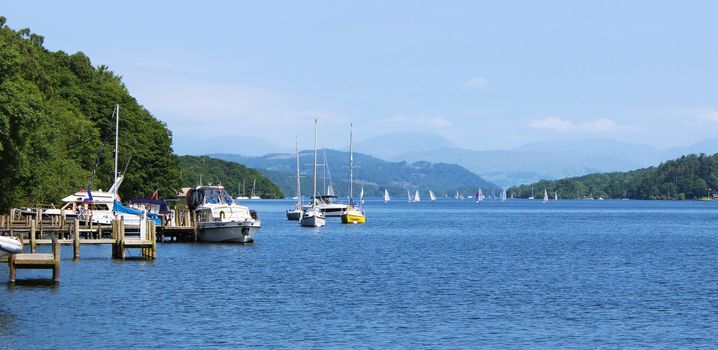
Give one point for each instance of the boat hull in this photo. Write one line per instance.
(10, 245)
(228, 232)
(353, 219)
(294, 215)
(312, 221)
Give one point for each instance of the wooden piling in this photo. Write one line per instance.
(76, 240)
(11, 266)
(33, 239)
(56, 260)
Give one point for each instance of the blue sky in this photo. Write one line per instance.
(487, 75)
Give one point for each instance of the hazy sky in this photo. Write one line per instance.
(484, 74)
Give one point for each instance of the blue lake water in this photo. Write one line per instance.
(452, 274)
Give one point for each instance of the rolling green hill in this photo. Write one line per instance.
(688, 177)
(55, 109)
(229, 174)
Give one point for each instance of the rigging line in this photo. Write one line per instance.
(102, 148)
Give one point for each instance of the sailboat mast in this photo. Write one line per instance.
(299, 191)
(314, 186)
(117, 133)
(351, 163)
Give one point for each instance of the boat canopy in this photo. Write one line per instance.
(161, 204)
(119, 208)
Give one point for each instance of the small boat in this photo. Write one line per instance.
(479, 196)
(313, 216)
(503, 195)
(416, 197)
(432, 197)
(296, 212)
(532, 193)
(9, 245)
(220, 218)
(555, 195)
(545, 196)
(386, 196)
(254, 194)
(408, 195)
(353, 214)
(242, 190)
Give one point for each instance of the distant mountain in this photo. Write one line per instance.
(371, 173)
(390, 146)
(242, 144)
(556, 159)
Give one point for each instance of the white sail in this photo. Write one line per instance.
(386, 196)
(330, 190)
(479, 196)
(457, 195)
(416, 196)
(361, 196)
(555, 195)
(545, 196)
(432, 197)
(408, 194)
(503, 195)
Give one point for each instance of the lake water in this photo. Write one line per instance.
(452, 274)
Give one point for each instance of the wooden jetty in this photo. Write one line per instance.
(36, 261)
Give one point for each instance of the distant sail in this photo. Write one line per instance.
(432, 197)
(545, 196)
(386, 196)
(330, 190)
(416, 196)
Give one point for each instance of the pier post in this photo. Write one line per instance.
(121, 240)
(56, 260)
(114, 234)
(76, 240)
(62, 218)
(153, 237)
(11, 266)
(194, 223)
(33, 239)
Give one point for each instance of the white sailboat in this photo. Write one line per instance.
(386, 196)
(254, 194)
(457, 195)
(361, 195)
(312, 216)
(479, 196)
(432, 197)
(555, 195)
(416, 197)
(545, 196)
(503, 195)
(296, 212)
(408, 195)
(532, 193)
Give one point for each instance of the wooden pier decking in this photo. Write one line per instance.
(36, 261)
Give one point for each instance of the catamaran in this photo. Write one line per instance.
(353, 214)
(312, 216)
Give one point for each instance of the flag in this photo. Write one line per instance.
(155, 194)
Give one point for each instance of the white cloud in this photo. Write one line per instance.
(709, 116)
(476, 83)
(559, 124)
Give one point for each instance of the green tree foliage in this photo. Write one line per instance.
(232, 176)
(54, 110)
(689, 177)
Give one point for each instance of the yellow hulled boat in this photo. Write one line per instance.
(353, 215)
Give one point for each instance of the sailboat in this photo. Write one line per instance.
(254, 195)
(312, 216)
(243, 189)
(416, 196)
(457, 195)
(408, 195)
(545, 196)
(432, 197)
(386, 196)
(479, 196)
(353, 214)
(532, 193)
(296, 212)
(361, 196)
(555, 195)
(503, 195)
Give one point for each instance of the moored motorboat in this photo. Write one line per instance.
(220, 218)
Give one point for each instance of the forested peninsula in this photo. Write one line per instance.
(689, 177)
(55, 111)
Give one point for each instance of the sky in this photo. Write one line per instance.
(486, 75)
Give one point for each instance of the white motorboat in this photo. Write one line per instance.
(313, 216)
(9, 245)
(220, 218)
